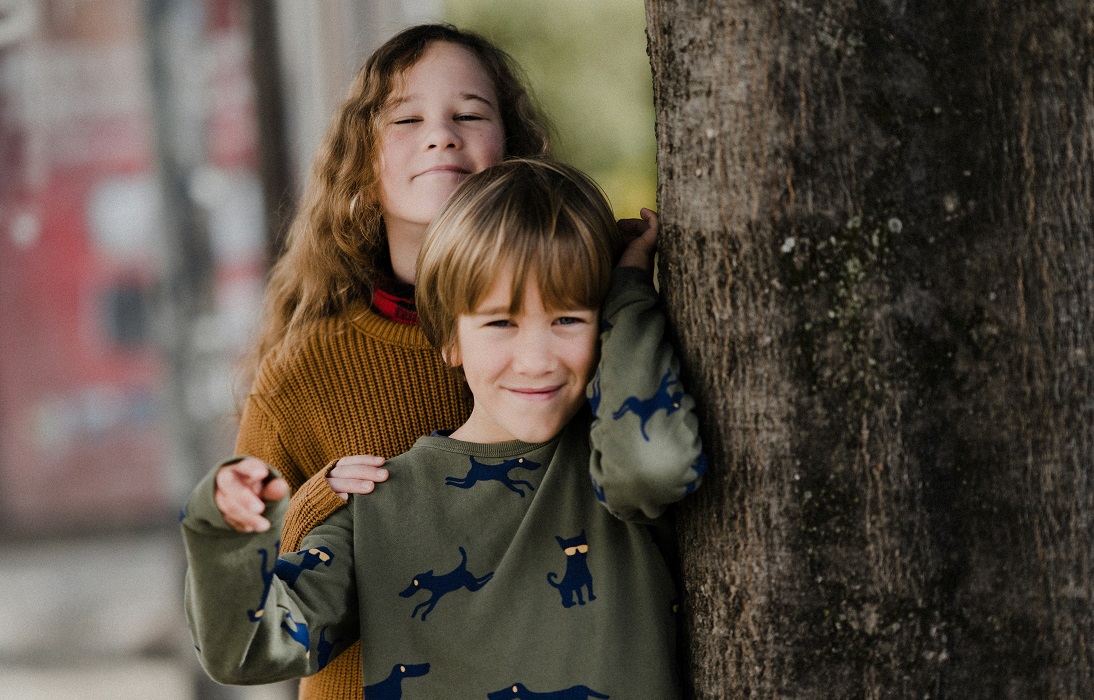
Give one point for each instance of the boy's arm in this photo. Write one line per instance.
(256, 618)
(646, 452)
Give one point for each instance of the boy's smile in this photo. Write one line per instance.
(527, 370)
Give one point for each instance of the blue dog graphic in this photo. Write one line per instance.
(298, 631)
(594, 386)
(267, 580)
(700, 467)
(494, 472)
(437, 586)
(517, 691)
(391, 688)
(311, 559)
(324, 649)
(577, 574)
(661, 400)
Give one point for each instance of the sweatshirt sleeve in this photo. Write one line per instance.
(257, 618)
(646, 452)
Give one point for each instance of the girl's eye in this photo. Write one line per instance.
(406, 120)
(500, 323)
(468, 117)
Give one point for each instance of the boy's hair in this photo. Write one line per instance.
(337, 235)
(530, 216)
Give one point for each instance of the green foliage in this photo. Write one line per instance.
(587, 64)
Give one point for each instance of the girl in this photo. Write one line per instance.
(344, 368)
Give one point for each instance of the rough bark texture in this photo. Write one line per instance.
(877, 254)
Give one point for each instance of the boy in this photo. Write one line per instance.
(485, 566)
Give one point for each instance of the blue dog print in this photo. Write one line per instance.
(324, 649)
(700, 467)
(288, 572)
(267, 580)
(517, 691)
(438, 586)
(661, 400)
(594, 392)
(391, 688)
(480, 472)
(577, 574)
(297, 630)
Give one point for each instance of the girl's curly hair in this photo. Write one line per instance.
(337, 236)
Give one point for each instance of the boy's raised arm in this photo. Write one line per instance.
(256, 618)
(646, 451)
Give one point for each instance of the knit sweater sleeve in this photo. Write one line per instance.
(257, 618)
(312, 503)
(260, 436)
(646, 451)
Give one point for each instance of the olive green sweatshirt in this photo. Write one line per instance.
(501, 571)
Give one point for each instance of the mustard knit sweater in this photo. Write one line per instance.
(357, 384)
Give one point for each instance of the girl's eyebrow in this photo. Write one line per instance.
(398, 101)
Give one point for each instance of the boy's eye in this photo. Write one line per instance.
(500, 323)
(468, 117)
(569, 320)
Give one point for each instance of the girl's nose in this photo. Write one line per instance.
(443, 136)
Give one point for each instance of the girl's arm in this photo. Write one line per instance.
(326, 492)
(254, 617)
(646, 452)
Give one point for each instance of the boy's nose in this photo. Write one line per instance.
(533, 356)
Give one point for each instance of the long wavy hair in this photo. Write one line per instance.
(336, 240)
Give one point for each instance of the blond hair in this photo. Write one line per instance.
(337, 237)
(530, 217)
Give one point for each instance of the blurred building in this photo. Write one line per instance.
(150, 154)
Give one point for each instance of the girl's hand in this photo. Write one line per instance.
(639, 252)
(242, 490)
(356, 474)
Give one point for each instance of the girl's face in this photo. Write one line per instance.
(439, 125)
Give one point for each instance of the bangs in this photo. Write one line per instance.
(569, 257)
(536, 220)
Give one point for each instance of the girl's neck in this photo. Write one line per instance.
(403, 245)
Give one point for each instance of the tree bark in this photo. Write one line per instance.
(877, 256)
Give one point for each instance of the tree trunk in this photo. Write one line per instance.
(877, 256)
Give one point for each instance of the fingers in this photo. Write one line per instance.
(632, 227)
(650, 217)
(639, 252)
(356, 474)
(242, 490)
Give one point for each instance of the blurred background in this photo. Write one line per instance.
(151, 153)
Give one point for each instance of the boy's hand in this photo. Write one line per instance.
(242, 490)
(356, 474)
(639, 252)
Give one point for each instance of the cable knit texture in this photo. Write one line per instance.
(358, 384)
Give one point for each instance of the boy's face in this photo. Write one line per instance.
(528, 370)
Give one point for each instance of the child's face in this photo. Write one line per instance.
(439, 126)
(528, 370)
